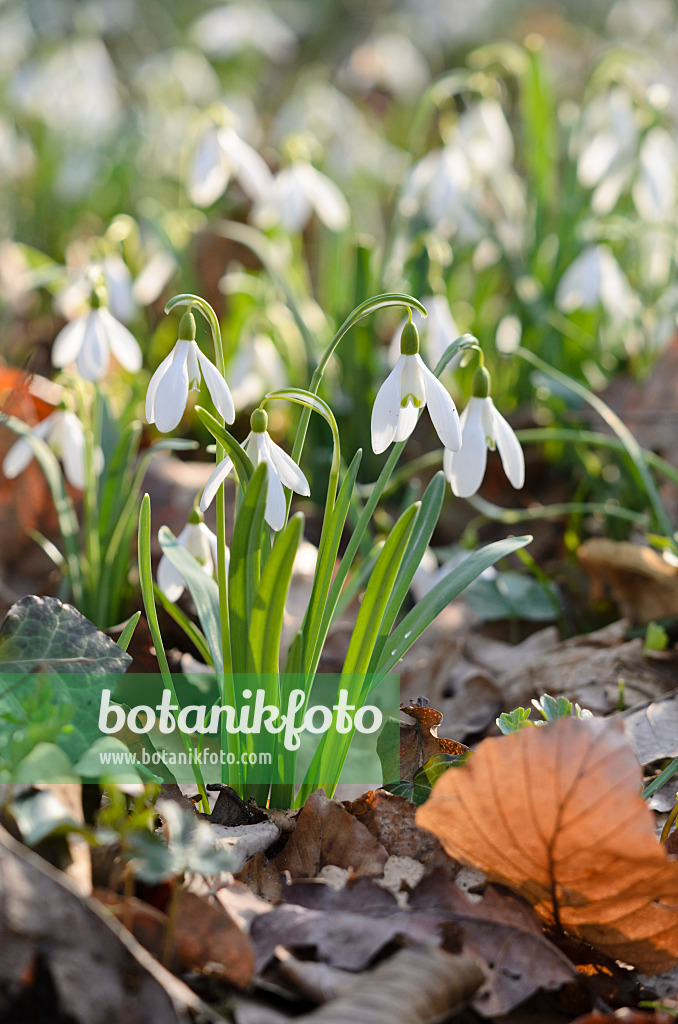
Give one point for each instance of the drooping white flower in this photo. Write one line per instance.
(200, 542)
(89, 340)
(594, 279)
(407, 389)
(282, 472)
(482, 427)
(180, 372)
(221, 155)
(63, 432)
(436, 331)
(608, 147)
(297, 192)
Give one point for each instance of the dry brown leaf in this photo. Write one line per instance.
(555, 813)
(644, 585)
(504, 932)
(390, 819)
(412, 987)
(204, 936)
(419, 741)
(325, 834)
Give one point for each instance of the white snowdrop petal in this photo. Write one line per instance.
(326, 198)
(172, 393)
(169, 579)
(465, 468)
(512, 458)
(386, 409)
(216, 479)
(17, 458)
(287, 469)
(73, 450)
(442, 410)
(123, 344)
(68, 342)
(407, 421)
(154, 384)
(218, 388)
(251, 169)
(209, 173)
(93, 358)
(276, 505)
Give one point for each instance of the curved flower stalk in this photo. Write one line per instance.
(298, 192)
(180, 372)
(407, 389)
(434, 332)
(90, 339)
(63, 432)
(221, 155)
(482, 427)
(282, 472)
(200, 542)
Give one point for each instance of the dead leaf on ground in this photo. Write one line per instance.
(325, 834)
(652, 728)
(100, 973)
(205, 937)
(505, 933)
(586, 669)
(390, 819)
(358, 896)
(339, 938)
(641, 582)
(413, 986)
(555, 813)
(418, 742)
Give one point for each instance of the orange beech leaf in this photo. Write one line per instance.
(555, 813)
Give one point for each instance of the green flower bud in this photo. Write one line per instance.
(259, 421)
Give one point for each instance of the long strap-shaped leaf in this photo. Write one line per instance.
(266, 622)
(243, 576)
(313, 633)
(332, 749)
(237, 454)
(431, 504)
(425, 611)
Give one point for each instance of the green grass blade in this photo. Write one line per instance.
(243, 576)
(425, 611)
(313, 636)
(431, 504)
(125, 637)
(239, 457)
(266, 622)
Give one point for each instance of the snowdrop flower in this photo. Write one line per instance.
(407, 389)
(296, 194)
(181, 372)
(221, 155)
(63, 432)
(89, 339)
(200, 542)
(482, 427)
(608, 148)
(282, 472)
(436, 331)
(595, 279)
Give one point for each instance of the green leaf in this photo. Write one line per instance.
(125, 637)
(316, 624)
(42, 814)
(41, 633)
(513, 595)
(243, 575)
(512, 721)
(425, 611)
(45, 763)
(202, 588)
(91, 766)
(189, 627)
(236, 453)
(431, 504)
(269, 603)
